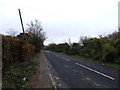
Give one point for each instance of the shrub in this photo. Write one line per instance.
(109, 53)
(15, 50)
(73, 51)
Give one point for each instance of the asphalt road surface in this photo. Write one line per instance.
(78, 73)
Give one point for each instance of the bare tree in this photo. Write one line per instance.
(36, 29)
(37, 35)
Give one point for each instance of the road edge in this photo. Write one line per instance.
(54, 84)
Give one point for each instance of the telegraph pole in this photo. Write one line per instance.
(21, 23)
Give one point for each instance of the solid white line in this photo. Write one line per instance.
(96, 71)
(54, 85)
(52, 80)
(65, 58)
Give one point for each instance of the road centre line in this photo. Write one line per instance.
(91, 69)
(65, 58)
(96, 71)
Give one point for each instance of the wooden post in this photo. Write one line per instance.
(21, 23)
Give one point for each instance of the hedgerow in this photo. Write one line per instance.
(15, 50)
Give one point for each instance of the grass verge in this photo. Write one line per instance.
(113, 65)
(19, 75)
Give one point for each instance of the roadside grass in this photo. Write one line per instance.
(19, 75)
(113, 65)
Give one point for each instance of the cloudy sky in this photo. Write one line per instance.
(62, 19)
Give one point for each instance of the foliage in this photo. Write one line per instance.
(104, 48)
(15, 50)
(36, 35)
(108, 52)
(19, 75)
(17, 53)
(64, 47)
(73, 51)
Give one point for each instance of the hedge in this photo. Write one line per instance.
(15, 50)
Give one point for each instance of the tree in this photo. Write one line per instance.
(62, 47)
(52, 47)
(37, 35)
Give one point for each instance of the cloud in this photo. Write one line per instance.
(62, 18)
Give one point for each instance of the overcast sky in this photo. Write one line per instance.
(62, 19)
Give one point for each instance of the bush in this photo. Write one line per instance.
(109, 53)
(104, 48)
(37, 42)
(73, 51)
(28, 51)
(15, 50)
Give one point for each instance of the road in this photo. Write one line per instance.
(77, 73)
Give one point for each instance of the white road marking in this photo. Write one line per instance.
(56, 77)
(54, 84)
(65, 58)
(96, 71)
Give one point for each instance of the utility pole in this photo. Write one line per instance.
(21, 23)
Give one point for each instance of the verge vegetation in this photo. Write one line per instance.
(105, 49)
(19, 75)
(20, 55)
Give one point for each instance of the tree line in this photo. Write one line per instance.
(105, 48)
